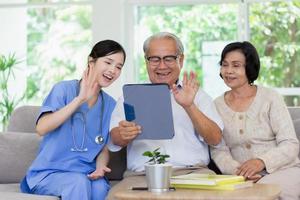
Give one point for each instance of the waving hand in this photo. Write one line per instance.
(186, 94)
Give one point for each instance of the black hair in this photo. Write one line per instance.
(105, 48)
(252, 59)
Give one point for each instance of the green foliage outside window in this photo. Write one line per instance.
(194, 25)
(274, 30)
(58, 39)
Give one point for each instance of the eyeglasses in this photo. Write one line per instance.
(168, 60)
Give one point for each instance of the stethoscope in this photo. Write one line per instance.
(99, 139)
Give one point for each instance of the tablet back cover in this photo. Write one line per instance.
(149, 105)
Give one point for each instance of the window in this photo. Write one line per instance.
(275, 28)
(51, 40)
(205, 28)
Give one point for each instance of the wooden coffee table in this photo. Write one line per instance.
(257, 192)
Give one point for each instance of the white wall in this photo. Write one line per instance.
(14, 39)
(109, 22)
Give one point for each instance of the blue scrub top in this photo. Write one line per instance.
(55, 150)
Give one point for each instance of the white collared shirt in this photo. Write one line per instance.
(186, 148)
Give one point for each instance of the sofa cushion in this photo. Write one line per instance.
(10, 191)
(297, 129)
(10, 187)
(294, 112)
(23, 119)
(17, 152)
(22, 196)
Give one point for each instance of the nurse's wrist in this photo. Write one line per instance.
(78, 100)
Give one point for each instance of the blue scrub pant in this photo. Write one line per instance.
(72, 186)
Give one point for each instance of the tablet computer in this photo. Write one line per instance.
(149, 105)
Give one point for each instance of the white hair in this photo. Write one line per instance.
(162, 35)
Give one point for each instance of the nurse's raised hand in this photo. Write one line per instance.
(88, 86)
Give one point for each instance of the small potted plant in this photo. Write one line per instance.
(158, 172)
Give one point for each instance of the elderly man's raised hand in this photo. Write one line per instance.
(185, 95)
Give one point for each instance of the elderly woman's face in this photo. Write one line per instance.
(233, 69)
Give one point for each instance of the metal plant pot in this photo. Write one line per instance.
(158, 177)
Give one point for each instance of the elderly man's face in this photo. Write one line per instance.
(163, 62)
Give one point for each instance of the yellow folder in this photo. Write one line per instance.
(205, 179)
(228, 186)
(210, 181)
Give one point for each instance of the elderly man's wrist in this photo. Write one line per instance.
(189, 107)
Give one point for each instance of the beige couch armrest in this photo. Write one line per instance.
(17, 150)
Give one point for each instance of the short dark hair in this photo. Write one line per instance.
(252, 59)
(105, 48)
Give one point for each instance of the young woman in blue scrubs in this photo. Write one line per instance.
(74, 121)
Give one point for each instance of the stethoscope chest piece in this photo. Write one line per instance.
(99, 139)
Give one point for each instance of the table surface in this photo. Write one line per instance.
(257, 192)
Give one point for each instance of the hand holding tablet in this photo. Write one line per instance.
(149, 105)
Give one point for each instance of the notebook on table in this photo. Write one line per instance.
(210, 182)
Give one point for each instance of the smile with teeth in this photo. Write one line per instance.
(160, 74)
(109, 77)
(230, 78)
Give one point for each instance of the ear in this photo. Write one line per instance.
(91, 61)
(181, 59)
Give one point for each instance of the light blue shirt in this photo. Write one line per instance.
(55, 150)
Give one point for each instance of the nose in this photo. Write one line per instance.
(112, 69)
(162, 64)
(229, 69)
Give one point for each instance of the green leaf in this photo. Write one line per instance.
(148, 153)
(156, 156)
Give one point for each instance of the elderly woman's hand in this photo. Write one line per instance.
(254, 178)
(250, 168)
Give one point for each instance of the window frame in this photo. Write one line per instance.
(243, 29)
(122, 24)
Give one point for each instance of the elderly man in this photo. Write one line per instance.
(196, 121)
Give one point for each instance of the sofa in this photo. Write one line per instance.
(18, 147)
(19, 144)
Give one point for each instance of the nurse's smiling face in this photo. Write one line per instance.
(108, 68)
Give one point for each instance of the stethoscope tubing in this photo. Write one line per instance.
(99, 139)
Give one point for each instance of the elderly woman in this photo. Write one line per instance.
(259, 140)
